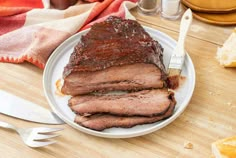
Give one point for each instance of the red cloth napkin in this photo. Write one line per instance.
(30, 31)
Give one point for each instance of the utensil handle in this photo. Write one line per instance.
(185, 23)
(7, 125)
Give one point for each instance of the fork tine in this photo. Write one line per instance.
(42, 136)
(36, 144)
(48, 130)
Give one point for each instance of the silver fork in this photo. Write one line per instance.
(32, 136)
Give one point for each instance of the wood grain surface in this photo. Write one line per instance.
(209, 116)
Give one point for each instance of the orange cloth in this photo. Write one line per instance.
(29, 32)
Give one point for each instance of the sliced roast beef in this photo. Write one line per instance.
(116, 54)
(143, 103)
(100, 122)
(127, 77)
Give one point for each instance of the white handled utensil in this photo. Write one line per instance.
(177, 58)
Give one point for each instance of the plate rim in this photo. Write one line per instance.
(112, 135)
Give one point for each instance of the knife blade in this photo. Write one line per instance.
(18, 107)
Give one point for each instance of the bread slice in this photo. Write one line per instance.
(225, 148)
(226, 55)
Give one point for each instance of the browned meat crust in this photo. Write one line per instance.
(143, 103)
(115, 42)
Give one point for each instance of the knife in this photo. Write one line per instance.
(17, 107)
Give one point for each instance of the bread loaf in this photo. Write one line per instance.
(226, 55)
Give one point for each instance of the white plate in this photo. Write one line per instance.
(58, 60)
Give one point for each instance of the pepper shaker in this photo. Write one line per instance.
(170, 9)
(148, 7)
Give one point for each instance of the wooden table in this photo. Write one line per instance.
(209, 116)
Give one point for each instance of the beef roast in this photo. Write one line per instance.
(100, 122)
(116, 54)
(143, 103)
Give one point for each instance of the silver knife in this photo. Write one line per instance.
(17, 107)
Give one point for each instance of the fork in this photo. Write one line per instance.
(33, 136)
